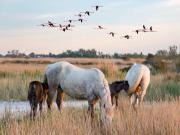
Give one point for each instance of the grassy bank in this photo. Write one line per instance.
(160, 118)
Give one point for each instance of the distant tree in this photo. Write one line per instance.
(12, 53)
(116, 55)
(173, 50)
(162, 53)
(32, 55)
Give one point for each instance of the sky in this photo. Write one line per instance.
(20, 19)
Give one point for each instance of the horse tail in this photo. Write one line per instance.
(45, 81)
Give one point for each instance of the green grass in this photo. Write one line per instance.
(14, 83)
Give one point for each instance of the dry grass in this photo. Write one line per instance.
(15, 77)
(156, 118)
(160, 118)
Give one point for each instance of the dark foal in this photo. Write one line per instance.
(37, 94)
(116, 87)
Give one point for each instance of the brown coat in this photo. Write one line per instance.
(37, 94)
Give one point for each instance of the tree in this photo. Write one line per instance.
(162, 53)
(173, 50)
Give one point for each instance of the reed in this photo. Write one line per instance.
(157, 118)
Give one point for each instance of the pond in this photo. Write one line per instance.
(18, 108)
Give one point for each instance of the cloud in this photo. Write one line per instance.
(173, 3)
(53, 15)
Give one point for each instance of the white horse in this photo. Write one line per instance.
(79, 83)
(138, 78)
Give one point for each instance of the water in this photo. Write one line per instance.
(22, 107)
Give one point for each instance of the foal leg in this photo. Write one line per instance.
(116, 97)
(34, 111)
(40, 107)
(112, 97)
(59, 99)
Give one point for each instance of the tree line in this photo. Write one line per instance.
(92, 53)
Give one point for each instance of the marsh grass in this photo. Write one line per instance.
(15, 78)
(157, 118)
(163, 87)
(160, 116)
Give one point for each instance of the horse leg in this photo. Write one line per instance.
(59, 99)
(144, 85)
(116, 97)
(135, 104)
(91, 106)
(51, 94)
(133, 100)
(142, 96)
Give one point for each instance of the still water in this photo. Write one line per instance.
(23, 107)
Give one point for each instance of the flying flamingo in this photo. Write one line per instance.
(87, 12)
(112, 34)
(70, 21)
(97, 7)
(65, 29)
(51, 24)
(137, 31)
(127, 36)
(81, 20)
(99, 27)
(80, 15)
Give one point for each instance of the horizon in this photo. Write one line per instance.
(19, 30)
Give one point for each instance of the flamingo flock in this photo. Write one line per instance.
(69, 26)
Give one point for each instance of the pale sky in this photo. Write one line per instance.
(19, 30)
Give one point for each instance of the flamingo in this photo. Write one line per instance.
(87, 12)
(70, 21)
(97, 7)
(99, 27)
(81, 20)
(65, 29)
(127, 36)
(61, 26)
(69, 25)
(80, 15)
(43, 25)
(137, 31)
(51, 24)
(112, 34)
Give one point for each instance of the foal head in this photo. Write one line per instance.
(117, 86)
(125, 85)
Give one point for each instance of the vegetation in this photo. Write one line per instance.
(15, 78)
(160, 114)
(160, 118)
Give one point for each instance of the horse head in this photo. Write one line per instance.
(125, 85)
(107, 114)
(107, 109)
